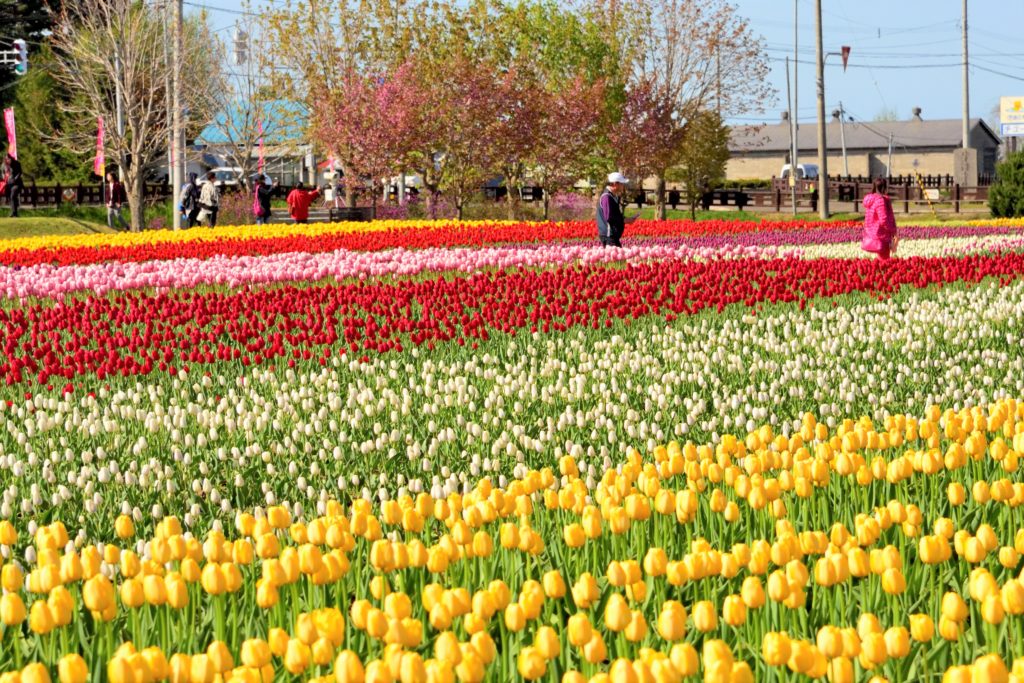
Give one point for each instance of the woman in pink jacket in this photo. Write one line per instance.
(879, 235)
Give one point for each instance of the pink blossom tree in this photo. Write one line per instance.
(648, 137)
(465, 117)
(371, 124)
(567, 134)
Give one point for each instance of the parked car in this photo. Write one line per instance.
(803, 171)
(227, 176)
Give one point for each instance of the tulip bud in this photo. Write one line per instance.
(704, 617)
(12, 609)
(775, 648)
(922, 628)
(580, 630)
(72, 669)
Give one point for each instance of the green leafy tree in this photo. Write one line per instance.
(41, 122)
(703, 155)
(31, 21)
(1006, 196)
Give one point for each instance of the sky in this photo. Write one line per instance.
(904, 54)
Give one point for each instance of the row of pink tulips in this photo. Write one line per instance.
(237, 271)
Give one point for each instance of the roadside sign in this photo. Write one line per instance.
(1011, 129)
(1011, 116)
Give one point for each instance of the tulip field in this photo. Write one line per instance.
(451, 451)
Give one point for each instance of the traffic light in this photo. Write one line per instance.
(20, 57)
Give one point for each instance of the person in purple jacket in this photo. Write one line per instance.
(611, 221)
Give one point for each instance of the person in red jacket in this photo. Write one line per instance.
(299, 200)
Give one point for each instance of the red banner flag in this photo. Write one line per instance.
(846, 55)
(12, 135)
(101, 160)
(259, 164)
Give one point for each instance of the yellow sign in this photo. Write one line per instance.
(1011, 110)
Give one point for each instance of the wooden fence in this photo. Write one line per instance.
(34, 195)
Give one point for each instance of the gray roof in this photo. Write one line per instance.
(912, 134)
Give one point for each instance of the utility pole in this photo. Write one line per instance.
(842, 137)
(822, 142)
(119, 108)
(795, 115)
(967, 100)
(792, 144)
(177, 151)
(165, 10)
(888, 170)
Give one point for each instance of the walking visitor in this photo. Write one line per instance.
(114, 197)
(879, 236)
(611, 221)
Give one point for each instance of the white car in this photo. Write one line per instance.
(803, 171)
(226, 176)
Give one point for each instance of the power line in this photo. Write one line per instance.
(225, 10)
(879, 66)
(975, 65)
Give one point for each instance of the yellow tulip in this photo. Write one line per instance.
(124, 527)
(72, 669)
(446, 648)
(35, 673)
(990, 668)
(297, 657)
(595, 651)
(554, 585)
(734, 611)
(672, 621)
(954, 607)
(775, 648)
(897, 642)
(616, 613)
(704, 616)
(348, 668)
(12, 609)
(636, 630)
(39, 618)
(922, 628)
(684, 658)
(992, 609)
(531, 664)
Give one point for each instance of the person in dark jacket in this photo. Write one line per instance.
(263, 193)
(188, 202)
(12, 174)
(114, 198)
(611, 221)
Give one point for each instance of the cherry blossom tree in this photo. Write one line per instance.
(466, 114)
(371, 124)
(649, 135)
(567, 134)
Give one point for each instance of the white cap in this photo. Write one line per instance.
(617, 178)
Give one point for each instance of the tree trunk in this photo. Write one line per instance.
(510, 201)
(350, 188)
(134, 183)
(512, 186)
(547, 204)
(659, 197)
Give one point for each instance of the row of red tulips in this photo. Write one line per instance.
(137, 333)
(413, 237)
